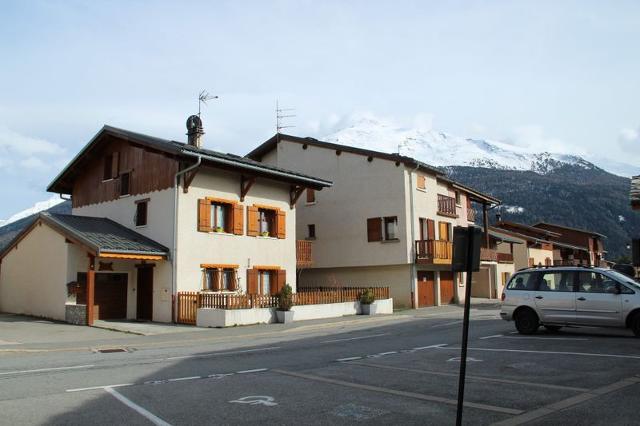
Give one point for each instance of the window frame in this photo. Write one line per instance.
(385, 234)
(271, 222)
(261, 274)
(217, 273)
(128, 180)
(139, 203)
(213, 218)
(311, 231)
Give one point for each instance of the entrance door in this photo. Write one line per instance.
(144, 309)
(426, 289)
(447, 294)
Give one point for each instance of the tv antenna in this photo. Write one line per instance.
(281, 114)
(203, 97)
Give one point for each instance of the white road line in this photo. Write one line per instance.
(145, 413)
(441, 345)
(355, 338)
(181, 379)
(41, 370)
(256, 370)
(446, 324)
(221, 353)
(491, 337)
(549, 352)
(349, 359)
(100, 387)
(543, 338)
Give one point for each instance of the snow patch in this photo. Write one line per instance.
(36, 208)
(513, 209)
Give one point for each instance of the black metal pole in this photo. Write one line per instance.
(465, 332)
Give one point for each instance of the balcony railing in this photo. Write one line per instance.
(304, 253)
(505, 258)
(434, 251)
(488, 255)
(471, 214)
(446, 206)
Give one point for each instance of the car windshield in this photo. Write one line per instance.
(623, 278)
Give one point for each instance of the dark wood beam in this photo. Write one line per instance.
(485, 223)
(188, 178)
(245, 185)
(294, 195)
(91, 280)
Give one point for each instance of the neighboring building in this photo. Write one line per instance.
(535, 247)
(387, 221)
(634, 193)
(576, 246)
(151, 218)
(496, 266)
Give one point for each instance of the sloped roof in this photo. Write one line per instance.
(185, 151)
(553, 225)
(101, 235)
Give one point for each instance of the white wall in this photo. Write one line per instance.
(196, 248)
(33, 275)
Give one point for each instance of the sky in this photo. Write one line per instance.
(560, 75)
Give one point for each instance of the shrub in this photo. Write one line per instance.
(367, 297)
(285, 298)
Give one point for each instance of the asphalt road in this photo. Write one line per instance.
(402, 372)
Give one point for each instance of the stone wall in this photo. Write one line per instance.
(75, 314)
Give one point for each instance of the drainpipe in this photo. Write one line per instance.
(414, 292)
(174, 257)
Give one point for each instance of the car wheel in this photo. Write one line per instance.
(635, 325)
(552, 328)
(527, 322)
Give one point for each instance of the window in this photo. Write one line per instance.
(524, 281)
(311, 232)
(108, 164)
(444, 229)
(141, 212)
(311, 196)
(594, 282)
(557, 281)
(220, 217)
(267, 222)
(391, 228)
(125, 184)
(458, 198)
(264, 282)
(220, 279)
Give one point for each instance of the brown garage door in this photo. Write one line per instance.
(426, 289)
(446, 288)
(110, 295)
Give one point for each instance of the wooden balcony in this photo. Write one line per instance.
(447, 206)
(304, 253)
(488, 255)
(505, 258)
(434, 252)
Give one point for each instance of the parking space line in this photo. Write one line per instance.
(476, 378)
(220, 353)
(491, 337)
(447, 324)
(351, 358)
(355, 338)
(546, 352)
(43, 370)
(255, 370)
(431, 398)
(567, 403)
(100, 387)
(143, 412)
(181, 379)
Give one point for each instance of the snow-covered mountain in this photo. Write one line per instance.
(36, 208)
(443, 149)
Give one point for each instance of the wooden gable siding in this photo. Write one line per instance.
(150, 171)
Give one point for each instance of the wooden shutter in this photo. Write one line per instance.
(374, 229)
(252, 281)
(204, 215)
(281, 224)
(444, 231)
(237, 218)
(421, 182)
(216, 278)
(233, 285)
(531, 261)
(431, 229)
(311, 195)
(280, 279)
(115, 163)
(252, 221)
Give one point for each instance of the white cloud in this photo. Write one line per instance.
(22, 152)
(534, 138)
(630, 135)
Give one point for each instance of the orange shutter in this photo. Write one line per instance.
(204, 215)
(238, 218)
(281, 224)
(216, 277)
(374, 229)
(421, 182)
(115, 163)
(252, 281)
(252, 221)
(431, 229)
(233, 285)
(281, 281)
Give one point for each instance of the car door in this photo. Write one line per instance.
(554, 297)
(598, 301)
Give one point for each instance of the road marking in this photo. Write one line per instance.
(459, 358)
(7, 342)
(221, 353)
(180, 379)
(548, 352)
(100, 387)
(256, 370)
(414, 395)
(404, 351)
(569, 402)
(447, 324)
(429, 347)
(382, 354)
(349, 359)
(145, 413)
(355, 338)
(269, 401)
(543, 338)
(491, 337)
(42, 370)
(476, 378)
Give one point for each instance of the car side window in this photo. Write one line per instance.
(595, 282)
(523, 281)
(561, 281)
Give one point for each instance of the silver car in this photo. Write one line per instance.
(557, 296)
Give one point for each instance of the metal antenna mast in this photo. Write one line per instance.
(203, 97)
(281, 113)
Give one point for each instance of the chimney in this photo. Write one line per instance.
(498, 216)
(194, 131)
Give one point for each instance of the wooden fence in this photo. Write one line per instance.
(189, 302)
